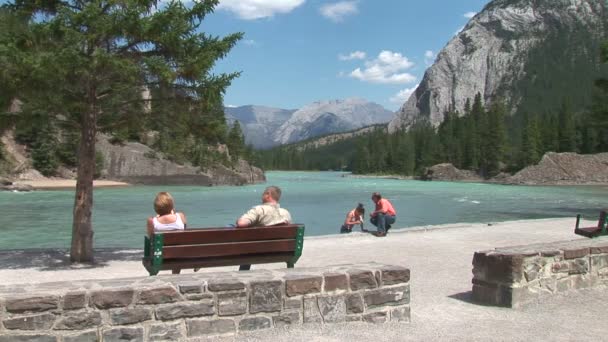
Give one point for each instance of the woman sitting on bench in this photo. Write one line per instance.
(166, 218)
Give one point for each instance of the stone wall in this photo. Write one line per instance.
(514, 276)
(193, 305)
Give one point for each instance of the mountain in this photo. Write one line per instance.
(266, 127)
(325, 117)
(258, 123)
(531, 54)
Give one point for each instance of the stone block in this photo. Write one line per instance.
(89, 336)
(106, 299)
(161, 295)
(78, 321)
(599, 249)
(199, 296)
(332, 308)
(180, 310)
(335, 282)
(31, 304)
(394, 275)
(166, 332)
(302, 284)
(311, 312)
(578, 266)
(574, 253)
(485, 294)
(74, 300)
(401, 314)
(36, 322)
(190, 288)
(560, 267)
(130, 315)
(532, 268)
(197, 327)
(375, 317)
(564, 284)
(354, 303)
(498, 268)
(123, 334)
(231, 303)
(225, 285)
(255, 323)
(598, 262)
(292, 303)
(360, 280)
(266, 296)
(387, 296)
(28, 338)
(286, 319)
(353, 318)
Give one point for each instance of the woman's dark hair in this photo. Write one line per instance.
(360, 208)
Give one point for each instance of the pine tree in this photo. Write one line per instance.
(496, 138)
(89, 62)
(529, 151)
(236, 141)
(567, 132)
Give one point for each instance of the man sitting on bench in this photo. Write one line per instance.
(269, 213)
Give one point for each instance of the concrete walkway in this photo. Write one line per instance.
(440, 262)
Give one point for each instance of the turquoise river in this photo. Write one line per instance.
(320, 200)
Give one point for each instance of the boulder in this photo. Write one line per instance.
(448, 172)
(564, 169)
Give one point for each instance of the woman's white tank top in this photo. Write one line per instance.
(177, 225)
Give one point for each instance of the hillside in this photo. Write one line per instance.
(529, 54)
(265, 127)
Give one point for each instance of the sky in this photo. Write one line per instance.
(295, 52)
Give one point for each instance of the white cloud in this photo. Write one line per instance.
(336, 12)
(352, 55)
(256, 9)
(388, 68)
(429, 57)
(402, 96)
(470, 15)
(250, 42)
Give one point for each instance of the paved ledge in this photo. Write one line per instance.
(188, 307)
(515, 276)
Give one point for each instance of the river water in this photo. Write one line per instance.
(320, 200)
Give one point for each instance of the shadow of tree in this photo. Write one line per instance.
(59, 259)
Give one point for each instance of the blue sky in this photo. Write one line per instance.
(299, 51)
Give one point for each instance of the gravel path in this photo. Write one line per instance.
(440, 261)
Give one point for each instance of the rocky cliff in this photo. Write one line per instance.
(139, 164)
(509, 50)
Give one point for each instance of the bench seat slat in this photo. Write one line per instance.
(221, 235)
(226, 261)
(588, 232)
(228, 249)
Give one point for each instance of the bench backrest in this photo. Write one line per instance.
(224, 246)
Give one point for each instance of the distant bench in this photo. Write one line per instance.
(211, 247)
(591, 232)
(513, 276)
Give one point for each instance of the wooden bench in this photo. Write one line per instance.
(592, 232)
(211, 247)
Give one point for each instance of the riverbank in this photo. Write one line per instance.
(439, 258)
(62, 184)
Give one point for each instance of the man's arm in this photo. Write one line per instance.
(247, 219)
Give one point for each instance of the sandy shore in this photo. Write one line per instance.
(440, 261)
(60, 184)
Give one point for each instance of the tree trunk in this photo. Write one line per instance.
(82, 228)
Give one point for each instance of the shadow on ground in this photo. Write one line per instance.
(466, 297)
(59, 259)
